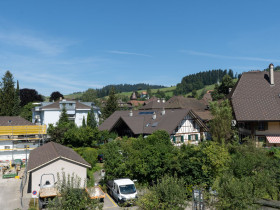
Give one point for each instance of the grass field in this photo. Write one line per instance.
(168, 92)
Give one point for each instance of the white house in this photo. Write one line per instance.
(18, 137)
(51, 159)
(49, 112)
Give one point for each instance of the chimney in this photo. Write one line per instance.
(271, 74)
(154, 116)
(130, 113)
(60, 98)
(163, 112)
(158, 100)
(163, 100)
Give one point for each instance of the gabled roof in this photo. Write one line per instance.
(55, 105)
(13, 121)
(254, 99)
(181, 102)
(50, 152)
(142, 121)
(153, 103)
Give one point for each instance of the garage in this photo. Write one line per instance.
(51, 161)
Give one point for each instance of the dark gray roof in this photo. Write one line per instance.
(13, 121)
(254, 99)
(142, 121)
(153, 103)
(181, 102)
(51, 151)
(79, 105)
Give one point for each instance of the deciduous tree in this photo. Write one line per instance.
(220, 125)
(29, 95)
(56, 96)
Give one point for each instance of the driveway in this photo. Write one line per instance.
(9, 193)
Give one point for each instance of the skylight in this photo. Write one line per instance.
(142, 113)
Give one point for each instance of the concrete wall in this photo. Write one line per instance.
(57, 167)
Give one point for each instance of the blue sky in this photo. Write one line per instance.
(70, 46)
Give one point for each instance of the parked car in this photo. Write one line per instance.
(122, 190)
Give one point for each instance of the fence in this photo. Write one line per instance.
(22, 185)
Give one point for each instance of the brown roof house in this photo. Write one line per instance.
(51, 159)
(256, 104)
(183, 125)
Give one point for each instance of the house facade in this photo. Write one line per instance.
(51, 159)
(256, 104)
(49, 112)
(18, 137)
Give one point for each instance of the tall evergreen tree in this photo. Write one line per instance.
(16, 108)
(91, 121)
(7, 95)
(111, 105)
(84, 122)
(63, 117)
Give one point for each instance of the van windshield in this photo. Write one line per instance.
(127, 189)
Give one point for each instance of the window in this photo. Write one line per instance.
(7, 147)
(178, 139)
(261, 126)
(193, 137)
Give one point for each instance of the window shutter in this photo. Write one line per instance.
(190, 137)
(174, 139)
(196, 136)
(182, 139)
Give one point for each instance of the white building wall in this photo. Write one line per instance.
(79, 117)
(16, 150)
(50, 117)
(187, 127)
(57, 167)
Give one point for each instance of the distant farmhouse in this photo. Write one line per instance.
(183, 118)
(256, 105)
(49, 112)
(18, 137)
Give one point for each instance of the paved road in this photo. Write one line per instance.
(9, 193)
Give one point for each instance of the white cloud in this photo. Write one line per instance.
(46, 46)
(229, 57)
(127, 53)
